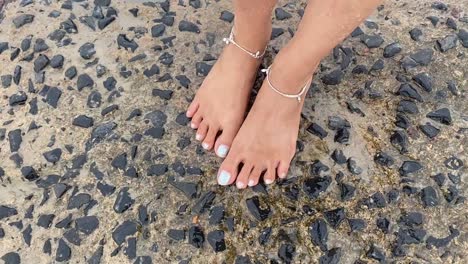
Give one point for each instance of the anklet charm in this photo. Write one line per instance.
(230, 40)
(294, 96)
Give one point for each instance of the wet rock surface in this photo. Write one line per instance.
(99, 164)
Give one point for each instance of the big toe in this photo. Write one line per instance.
(227, 173)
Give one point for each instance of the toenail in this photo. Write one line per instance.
(222, 151)
(205, 145)
(224, 177)
(251, 183)
(198, 137)
(192, 125)
(268, 181)
(240, 185)
(282, 175)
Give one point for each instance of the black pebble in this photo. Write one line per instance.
(384, 159)
(11, 258)
(424, 80)
(78, 201)
(29, 173)
(317, 130)
(185, 25)
(87, 50)
(126, 43)
(94, 99)
(158, 30)
(18, 99)
(123, 201)
(335, 217)
(226, 16)
(372, 41)
(400, 141)
(442, 116)
(163, 94)
(53, 156)
(196, 236)
(83, 121)
(87, 224)
(316, 185)
(65, 223)
(415, 34)
(282, 14)
(333, 78)
(41, 62)
(319, 234)
(423, 57)
(6, 211)
(216, 240)
(56, 61)
(259, 212)
(356, 224)
(71, 72)
(22, 20)
(391, 50)
(124, 230)
(429, 130)
(188, 188)
(134, 11)
(276, 32)
(84, 80)
(157, 169)
(204, 202)
(429, 197)
(45, 220)
(63, 252)
(120, 161)
(103, 23)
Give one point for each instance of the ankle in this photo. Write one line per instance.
(254, 36)
(289, 72)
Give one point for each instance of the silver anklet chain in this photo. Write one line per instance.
(294, 96)
(230, 40)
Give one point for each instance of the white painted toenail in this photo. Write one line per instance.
(198, 137)
(268, 181)
(222, 151)
(240, 185)
(192, 125)
(283, 175)
(224, 177)
(205, 145)
(251, 183)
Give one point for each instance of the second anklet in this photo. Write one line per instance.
(230, 40)
(294, 96)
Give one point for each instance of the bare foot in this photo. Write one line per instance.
(218, 109)
(266, 142)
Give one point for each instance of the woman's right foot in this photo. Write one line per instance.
(218, 109)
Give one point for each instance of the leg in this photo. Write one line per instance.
(218, 108)
(266, 142)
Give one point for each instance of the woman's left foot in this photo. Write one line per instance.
(266, 141)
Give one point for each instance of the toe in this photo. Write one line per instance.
(201, 131)
(223, 143)
(196, 120)
(255, 176)
(270, 175)
(283, 169)
(227, 173)
(243, 177)
(210, 138)
(192, 109)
